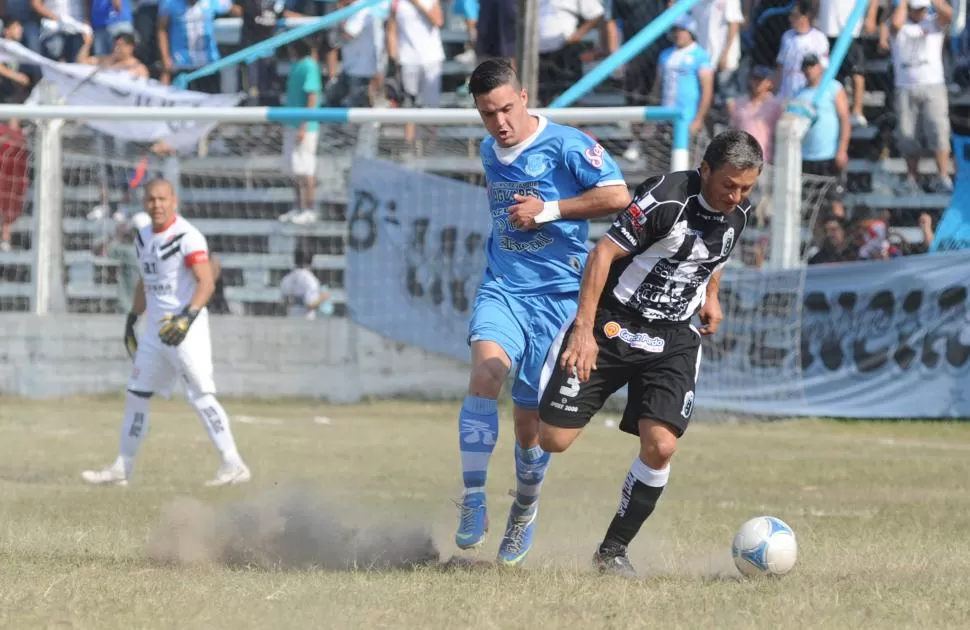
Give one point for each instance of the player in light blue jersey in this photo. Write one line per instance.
(544, 181)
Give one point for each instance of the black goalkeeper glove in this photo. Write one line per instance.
(131, 341)
(175, 327)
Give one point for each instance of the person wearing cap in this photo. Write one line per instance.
(687, 74)
(802, 39)
(825, 147)
(922, 100)
(758, 112)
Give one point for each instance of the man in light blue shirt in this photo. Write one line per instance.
(545, 181)
(825, 147)
(687, 74)
(186, 35)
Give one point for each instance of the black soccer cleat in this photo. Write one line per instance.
(613, 561)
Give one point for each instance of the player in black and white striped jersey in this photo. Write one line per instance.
(658, 266)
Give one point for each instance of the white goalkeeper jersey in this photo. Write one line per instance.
(166, 258)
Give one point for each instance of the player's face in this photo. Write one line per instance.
(726, 187)
(505, 114)
(160, 205)
(683, 38)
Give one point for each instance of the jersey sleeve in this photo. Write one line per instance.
(195, 250)
(589, 162)
(649, 217)
(733, 13)
(165, 9)
(704, 63)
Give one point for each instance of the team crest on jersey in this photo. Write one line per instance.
(727, 242)
(536, 165)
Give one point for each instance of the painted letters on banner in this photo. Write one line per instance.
(868, 340)
(415, 255)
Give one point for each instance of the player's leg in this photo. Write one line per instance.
(546, 318)
(194, 362)
(659, 407)
(497, 341)
(149, 370)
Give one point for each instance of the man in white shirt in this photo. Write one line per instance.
(803, 39)
(718, 32)
(177, 283)
(833, 18)
(300, 288)
(562, 26)
(922, 101)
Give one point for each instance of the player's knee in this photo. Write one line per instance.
(555, 439)
(658, 443)
(487, 378)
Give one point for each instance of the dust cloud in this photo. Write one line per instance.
(287, 528)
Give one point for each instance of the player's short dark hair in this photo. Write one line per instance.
(303, 47)
(491, 74)
(735, 148)
(303, 258)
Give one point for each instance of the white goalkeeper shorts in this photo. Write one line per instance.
(158, 366)
(299, 158)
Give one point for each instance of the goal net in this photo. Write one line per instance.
(394, 235)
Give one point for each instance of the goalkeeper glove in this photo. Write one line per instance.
(175, 327)
(131, 341)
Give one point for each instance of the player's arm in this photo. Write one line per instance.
(604, 188)
(137, 310)
(710, 314)
(581, 349)
(173, 331)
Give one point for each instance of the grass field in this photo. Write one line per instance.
(881, 511)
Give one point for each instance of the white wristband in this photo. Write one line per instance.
(550, 212)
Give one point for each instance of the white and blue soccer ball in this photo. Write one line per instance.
(764, 546)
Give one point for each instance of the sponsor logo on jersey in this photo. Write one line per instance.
(637, 214)
(727, 242)
(594, 155)
(640, 341)
(626, 234)
(536, 165)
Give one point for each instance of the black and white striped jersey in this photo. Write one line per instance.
(677, 242)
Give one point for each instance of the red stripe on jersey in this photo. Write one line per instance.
(195, 258)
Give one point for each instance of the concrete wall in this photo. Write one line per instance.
(330, 359)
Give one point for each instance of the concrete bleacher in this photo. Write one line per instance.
(235, 194)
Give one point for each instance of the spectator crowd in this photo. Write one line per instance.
(728, 63)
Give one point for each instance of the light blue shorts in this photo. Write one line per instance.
(524, 327)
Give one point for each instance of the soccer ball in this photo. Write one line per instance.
(764, 546)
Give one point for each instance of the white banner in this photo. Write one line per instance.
(887, 339)
(80, 84)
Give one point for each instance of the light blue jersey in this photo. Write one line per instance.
(821, 141)
(556, 162)
(680, 70)
(191, 30)
(531, 283)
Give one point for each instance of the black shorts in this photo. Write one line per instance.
(823, 168)
(855, 59)
(658, 360)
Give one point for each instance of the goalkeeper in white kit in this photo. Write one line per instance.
(176, 284)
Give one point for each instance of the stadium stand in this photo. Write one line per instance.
(235, 193)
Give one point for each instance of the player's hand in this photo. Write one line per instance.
(579, 357)
(711, 316)
(523, 214)
(175, 327)
(131, 341)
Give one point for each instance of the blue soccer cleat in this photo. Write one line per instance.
(474, 521)
(518, 535)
